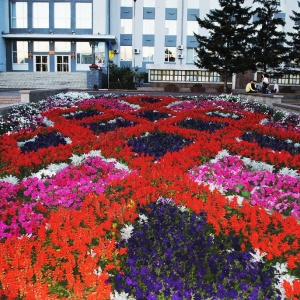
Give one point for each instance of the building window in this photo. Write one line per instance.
(149, 3)
(191, 55)
(41, 63)
(192, 27)
(20, 52)
(126, 53)
(184, 76)
(62, 47)
(62, 63)
(148, 53)
(62, 15)
(289, 79)
(148, 26)
(84, 15)
(41, 46)
(40, 15)
(126, 3)
(193, 3)
(171, 27)
(170, 53)
(171, 4)
(84, 53)
(19, 15)
(126, 26)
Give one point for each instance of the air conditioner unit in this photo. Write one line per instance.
(137, 51)
(116, 51)
(180, 56)
(180, 47)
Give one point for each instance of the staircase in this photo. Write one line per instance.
(43, 80)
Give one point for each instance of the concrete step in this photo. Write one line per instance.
(43, 80)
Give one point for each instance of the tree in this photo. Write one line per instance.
(226, 49)
(294, 44)
(269, 44)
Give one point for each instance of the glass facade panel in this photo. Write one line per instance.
(20, 52)
(62, 15)
(19, 17)
(40, 15)
(84, 15)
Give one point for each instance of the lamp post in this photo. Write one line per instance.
(133, 40)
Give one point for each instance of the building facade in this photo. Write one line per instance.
(68, 35)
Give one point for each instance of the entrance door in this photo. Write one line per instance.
(62, 63)
(41, 63)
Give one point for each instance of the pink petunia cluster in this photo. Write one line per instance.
(67, 188)
(274, 191)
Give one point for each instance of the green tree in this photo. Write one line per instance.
(269, 44)
(294, 43)
(226, 49)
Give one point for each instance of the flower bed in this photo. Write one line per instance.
(135, 197)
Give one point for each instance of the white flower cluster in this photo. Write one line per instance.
(120, 296)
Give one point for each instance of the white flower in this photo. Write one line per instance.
(10, 179)
(121, 296)
(98, 271)
(143, 219)
(77, 160)
(257, 256)
(289, 172)
(126, 232)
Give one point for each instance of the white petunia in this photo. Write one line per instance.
(121, 296)
(126, 232)
(10, 179)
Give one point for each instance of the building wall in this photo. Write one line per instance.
(3, 28)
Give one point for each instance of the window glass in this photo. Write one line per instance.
(191, 55)
(148, 26)
(127, 3)
(149, 3)
(62, 47)
(83, 15)
(40, 15)
(171, 3)
(20, 52)
(126, 52)
(126, 26)
(40, 46)
(62, 15)
(84, 53)
(193, 3)
(171, 27)
(191, 27)
(148, 53)
(19, 15)
(170, 54)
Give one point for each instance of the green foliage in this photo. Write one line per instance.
(121, 77)
(226, 49)
(269, 47)
(294, 44)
